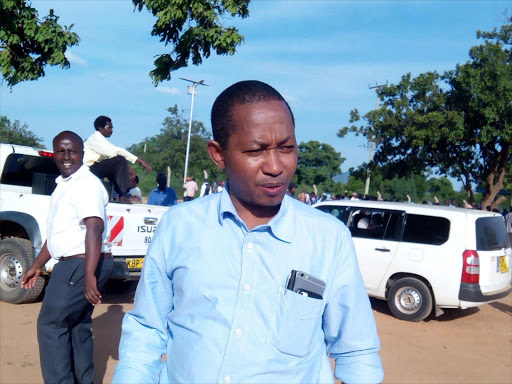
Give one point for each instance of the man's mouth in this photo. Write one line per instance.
(67, 165)
(273, 188)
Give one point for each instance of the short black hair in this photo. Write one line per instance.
(73, 136)
(101, 121)
(243, 92)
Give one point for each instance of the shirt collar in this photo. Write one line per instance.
(281, 225)
(74, 176)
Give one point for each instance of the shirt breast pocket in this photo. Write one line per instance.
(296, 320)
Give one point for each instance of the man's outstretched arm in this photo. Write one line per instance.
(144, 334)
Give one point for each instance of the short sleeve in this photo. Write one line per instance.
(89, 201)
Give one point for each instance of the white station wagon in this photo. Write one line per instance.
(420, 257)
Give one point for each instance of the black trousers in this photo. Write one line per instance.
(64, 323)
(116, 171)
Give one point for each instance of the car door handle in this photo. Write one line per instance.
(150, 220)
(382, 249)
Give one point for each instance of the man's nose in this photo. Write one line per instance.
(273, 164)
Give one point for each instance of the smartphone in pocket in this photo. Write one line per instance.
(305, 284)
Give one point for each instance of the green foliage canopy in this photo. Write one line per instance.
(458, 123)
(28, 44)
(318, 164)
(15, 133)
(194, 28)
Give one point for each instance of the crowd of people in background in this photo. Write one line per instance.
(166, 196)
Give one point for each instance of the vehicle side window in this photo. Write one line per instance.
(374, 223)
(426, 229)
(341, 213)
(394, 226)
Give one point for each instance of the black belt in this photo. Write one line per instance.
(82, 256)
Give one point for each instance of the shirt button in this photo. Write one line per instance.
(238, 332)
(227, 379)
(247, 288)
(250, 246)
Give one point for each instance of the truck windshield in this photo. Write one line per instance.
(23, 170)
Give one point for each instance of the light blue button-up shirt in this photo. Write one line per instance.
(212, 298)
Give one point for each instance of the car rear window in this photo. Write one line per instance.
(426, 229)
(23, 170)
(491, 233)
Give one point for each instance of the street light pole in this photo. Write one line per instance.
(191, 90)
(372, 145)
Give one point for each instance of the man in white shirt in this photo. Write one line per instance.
(77, 236)
(205, 188)
(135, 193)
(106, 160)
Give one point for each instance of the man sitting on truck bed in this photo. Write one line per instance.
(106, 160)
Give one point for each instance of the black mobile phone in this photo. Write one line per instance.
(305, 284)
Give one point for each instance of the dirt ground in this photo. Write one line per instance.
(462, 346)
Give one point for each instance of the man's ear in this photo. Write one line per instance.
(216, 154)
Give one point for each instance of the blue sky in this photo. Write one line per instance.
(321, 55)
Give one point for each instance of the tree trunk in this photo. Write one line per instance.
(496, 203)
(492, 189)
(495, 184)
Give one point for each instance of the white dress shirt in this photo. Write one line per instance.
(76, 198)
(98, 148)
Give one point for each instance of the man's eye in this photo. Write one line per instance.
(286, 149)
(255, 152)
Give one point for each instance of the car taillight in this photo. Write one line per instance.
(45, 154)
(470, 267)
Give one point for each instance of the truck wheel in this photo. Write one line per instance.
(410, 299)
(15, 259)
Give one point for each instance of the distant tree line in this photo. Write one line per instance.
(318, 164)
(16, 133)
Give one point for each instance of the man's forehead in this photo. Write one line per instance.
(246, 108)
(66, 137)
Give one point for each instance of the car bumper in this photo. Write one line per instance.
(472, 293)
(121, 271)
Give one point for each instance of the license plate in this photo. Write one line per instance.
(502, 264)
(135, 263)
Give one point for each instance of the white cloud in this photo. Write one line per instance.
(168, 90)
(75, 59)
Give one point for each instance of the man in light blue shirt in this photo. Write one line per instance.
(162, 194)
(213, 296)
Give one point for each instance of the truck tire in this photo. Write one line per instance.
(15, 259)
(410, 299)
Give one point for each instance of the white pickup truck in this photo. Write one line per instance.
(27, 179)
